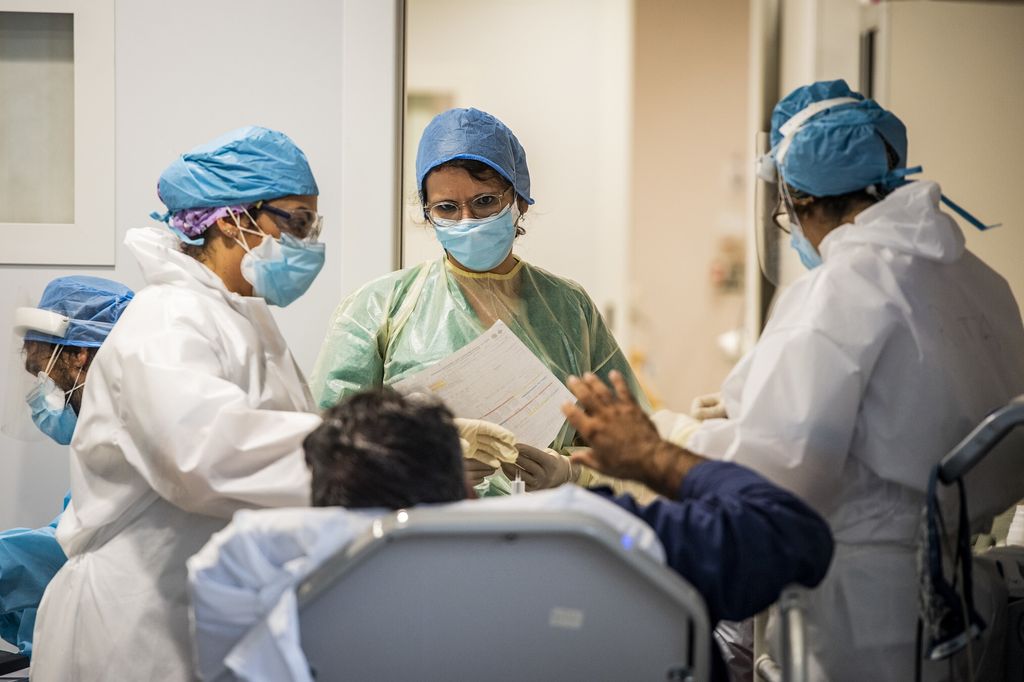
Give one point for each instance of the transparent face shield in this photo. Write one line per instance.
(770, 239)
(25, 362)
(780, 264)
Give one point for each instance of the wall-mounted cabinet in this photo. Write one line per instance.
(57, 132)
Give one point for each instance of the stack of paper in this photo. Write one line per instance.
(497, 378)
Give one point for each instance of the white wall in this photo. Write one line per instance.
(323, 71)
(557, 72)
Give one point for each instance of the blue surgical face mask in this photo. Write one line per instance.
(51, 406)
(281, 270)
(479, 243)
(809, 256)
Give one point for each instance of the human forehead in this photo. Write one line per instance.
(457, 183)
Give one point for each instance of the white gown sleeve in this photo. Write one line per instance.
(793, 404)
(194, 437)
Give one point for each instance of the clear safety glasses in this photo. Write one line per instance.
(480, 206)
(301, 223)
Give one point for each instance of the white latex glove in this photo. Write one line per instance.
(485, 442)
(539, 468)
(708, 407)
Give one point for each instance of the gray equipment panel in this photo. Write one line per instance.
(514, 596)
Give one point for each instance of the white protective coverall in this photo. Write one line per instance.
(194, 408)
(871, 368)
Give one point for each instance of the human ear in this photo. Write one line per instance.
(227, 227)
(79, 360)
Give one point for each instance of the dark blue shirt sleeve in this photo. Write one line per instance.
(736, 537)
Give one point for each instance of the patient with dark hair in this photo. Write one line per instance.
(380, 449)
(738, 538)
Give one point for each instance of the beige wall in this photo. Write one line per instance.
(689, 148)
(557, 72)
(956, 78)
(953, 72)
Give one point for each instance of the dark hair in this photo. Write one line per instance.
(63, 363)
(479, 171)
(834, 208)
(63, 373)
(193, 251)
(379, 449)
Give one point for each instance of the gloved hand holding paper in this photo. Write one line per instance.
(486, 442)
(498, 379)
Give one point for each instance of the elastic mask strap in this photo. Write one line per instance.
(238, 224)
(963, 213)
(53, 359)
(74, 387)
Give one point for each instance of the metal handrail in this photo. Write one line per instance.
(981, 441)
(792, 634)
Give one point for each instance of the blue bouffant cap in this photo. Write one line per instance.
(473, 134)
(244, 166)
(91, 305)
(828, 140)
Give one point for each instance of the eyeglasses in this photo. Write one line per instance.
(780, 216)
(303, 223)
(480, 206)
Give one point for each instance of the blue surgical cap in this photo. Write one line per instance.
(473, 134)
(91, 304)
(841, 148)
(240, 167)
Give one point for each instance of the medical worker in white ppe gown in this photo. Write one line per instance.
(874, 364)
(194, 408)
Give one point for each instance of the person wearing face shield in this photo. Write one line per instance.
(874, 364)
(61, 336)
(474, 188)
(194, 408)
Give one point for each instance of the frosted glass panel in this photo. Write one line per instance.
(37, 118)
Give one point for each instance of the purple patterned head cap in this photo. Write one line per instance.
(191, 224)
